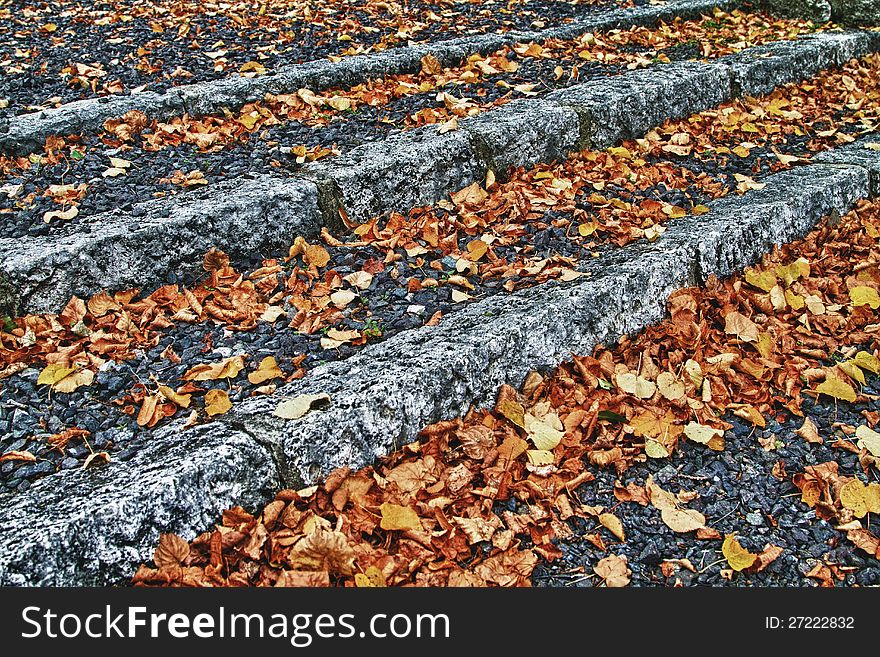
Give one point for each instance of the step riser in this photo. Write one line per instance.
(415, 168)
(382, 396)
(27, 133)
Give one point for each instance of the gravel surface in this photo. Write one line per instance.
(66, 50)
(738, 493)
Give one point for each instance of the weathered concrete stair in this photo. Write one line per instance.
(158, 240)
(94, 526)
(27, 132)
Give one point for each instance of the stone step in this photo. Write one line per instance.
(27, 133)
(158, 240)
(94, 526)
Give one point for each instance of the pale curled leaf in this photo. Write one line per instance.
(295, 407)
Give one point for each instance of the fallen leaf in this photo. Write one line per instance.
(65, 215)
(669, 386)
(740, 326)
(372, 577)
(217, 402)
(612, 523)
(868, 439)
(614, 570)
(227, 368)
(837, 388)
(267, 371)
(396, 517)
(737, 556)
(809, 431)
(295, 407)
(865, 296)
(701, 433)
(171, 552)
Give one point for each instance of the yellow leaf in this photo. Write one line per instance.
(867, 361)
(372, 578)
(542, 434)
(852, 496)
(849, 368)
(700, 433)
(585, 230)
(540, 457)
(765, 344)
(249, 120)
(837, 388)
(683, 520)
(513, 411)
(477, 249)
(316, 255)
(791, 272)
(796, 301)
(295, 407)
(737, 556)
(865, 296)
(396, 517)
(217, 402)
(750, 413)
(612, 523)
(227, 368)
(868, 439)
(181, 400)
(635, 385)
(52, 374)
(763, 280)
(694, 371)
(252, 67)
(339, 103)
(267, 371)
(655, 450)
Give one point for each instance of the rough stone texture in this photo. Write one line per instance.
(523, 133)
(382, 396)
(417, 167)
(414, 168)
(156, 239)
(645, 15)
(856, 12)
(761, 69)
(627, 106)
(818, 11)
(858, 154)
(28, 132)
(92, 527)
(845, 12)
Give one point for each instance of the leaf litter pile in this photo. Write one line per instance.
(60, 51)
(487, 498)
(134, 159)
(117, 365)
